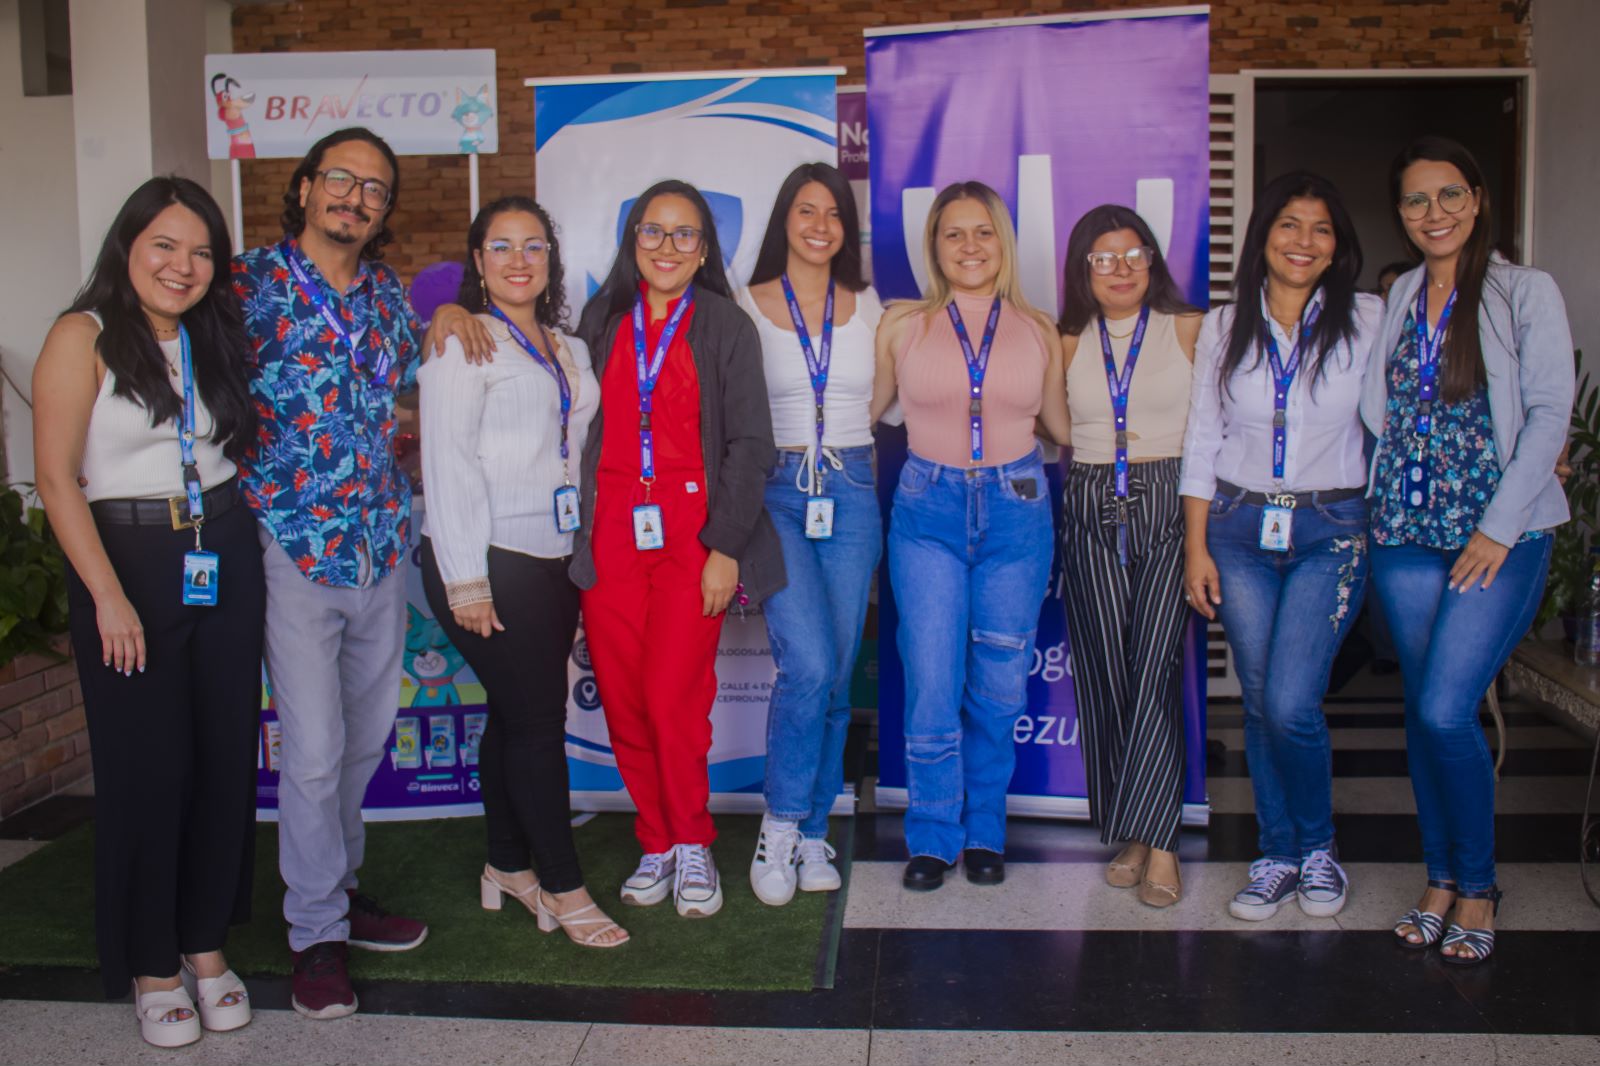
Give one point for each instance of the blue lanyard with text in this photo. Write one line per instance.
(1120, 386)
(312, 292)
(191, 471)
(550, 363)
(1282, 380)
(649, 371)
(1428, 357)
(977, 366)
(816, 362)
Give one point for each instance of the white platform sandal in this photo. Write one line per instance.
(209, 992)
(153, 1010)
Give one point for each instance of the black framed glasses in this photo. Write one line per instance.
(338, 182)
(533, 249)
(1105, 263)
(651, 236)
(1452, 200)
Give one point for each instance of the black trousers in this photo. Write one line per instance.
(522, 758)
(174, 748)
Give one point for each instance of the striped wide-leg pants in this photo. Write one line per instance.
(1125, 628)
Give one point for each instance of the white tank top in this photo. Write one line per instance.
(1158, 397)
(126, 458)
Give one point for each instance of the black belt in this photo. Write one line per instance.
(1287, 499)
(172, 512)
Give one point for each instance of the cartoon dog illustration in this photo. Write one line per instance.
(472, 111)
(432, 660)
(231, 102)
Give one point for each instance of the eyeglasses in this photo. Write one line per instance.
(1105, 263)
(374, 193)
(532, 249)
(1452, 199)
(650, 236)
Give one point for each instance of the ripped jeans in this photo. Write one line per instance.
(969, 560)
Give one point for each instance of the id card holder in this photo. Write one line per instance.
(1276, 525)
(566, 509)
(819, 517)
(200, 579)
(1416, 483)
(647, 532)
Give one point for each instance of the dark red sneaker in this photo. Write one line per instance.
(375, 929)
(321, 982)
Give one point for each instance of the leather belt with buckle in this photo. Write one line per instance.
(172, 512)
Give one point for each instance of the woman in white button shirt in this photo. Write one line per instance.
(1276, 523)
(500, 462)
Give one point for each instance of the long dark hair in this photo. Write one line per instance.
(773, 259)
(1461, 359)
(294, 216)
(551, 307)
(1337, 323)
(1078, 304)
(616, 294)
(215, 324)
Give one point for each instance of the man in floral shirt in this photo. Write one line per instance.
(335, 342)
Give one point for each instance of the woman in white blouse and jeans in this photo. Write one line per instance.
(500, 460)
(1276, 523)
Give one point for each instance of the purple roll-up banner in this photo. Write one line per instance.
(1058, 114)
(853, 153)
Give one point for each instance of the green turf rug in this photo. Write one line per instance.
(430, 870)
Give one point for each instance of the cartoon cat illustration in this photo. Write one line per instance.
(472, 111)
(231, 102)
(432, 660)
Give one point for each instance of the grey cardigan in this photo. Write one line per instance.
(735, 437)
(1527, 354)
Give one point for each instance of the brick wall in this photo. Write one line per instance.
(553, 38)
(44, 742)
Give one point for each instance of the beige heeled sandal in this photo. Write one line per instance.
(491, 893)
(572, 922)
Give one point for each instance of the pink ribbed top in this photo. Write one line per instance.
(931, 374)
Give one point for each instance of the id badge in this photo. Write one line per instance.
(566, 509)
(647, 532)
(200, 579)
(1276, 524)
(1416, 483)
(819, 517)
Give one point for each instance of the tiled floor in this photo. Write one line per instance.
(1053, 966)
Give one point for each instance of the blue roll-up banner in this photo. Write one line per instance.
(1058, 115)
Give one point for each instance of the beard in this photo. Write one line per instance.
(346, 229)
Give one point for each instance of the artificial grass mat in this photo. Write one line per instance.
(430, 870)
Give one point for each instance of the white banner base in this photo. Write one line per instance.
(1075, 808)
(844, 804)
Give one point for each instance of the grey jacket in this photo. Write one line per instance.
(1527, 354)
(735, 436)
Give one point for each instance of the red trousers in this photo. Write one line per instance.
(654, 656)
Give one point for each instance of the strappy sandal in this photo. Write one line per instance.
(492, 893)
(1427, 923)
(158, 1029)
(572, 923)
(1479, 941)
(208, 994)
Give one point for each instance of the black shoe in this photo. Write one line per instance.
(984, 867)
(924, 873)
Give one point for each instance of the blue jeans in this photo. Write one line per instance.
(1285, 615)
(1451, 645)
(969, 559)
(814, 626)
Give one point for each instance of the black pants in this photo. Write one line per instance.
(174, 748)
(522, 758)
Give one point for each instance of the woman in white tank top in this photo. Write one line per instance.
(165, 595)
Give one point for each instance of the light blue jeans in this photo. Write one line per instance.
(814, 626)
(1285, 615)
(969, 560)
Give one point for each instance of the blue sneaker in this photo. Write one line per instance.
(1271, 882)
(1323, 885)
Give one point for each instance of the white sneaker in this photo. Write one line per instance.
(817, 872)
(652, 881)
(696, 888)
(772, 872)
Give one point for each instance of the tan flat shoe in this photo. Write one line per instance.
(1154, 895)
(1120, 873)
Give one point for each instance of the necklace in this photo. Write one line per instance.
(1119, 336)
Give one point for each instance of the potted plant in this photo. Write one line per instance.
(33, 594)
(1571, 564)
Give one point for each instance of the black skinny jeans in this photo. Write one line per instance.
(522, 758)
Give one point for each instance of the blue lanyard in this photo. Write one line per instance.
(550, 363)
(1120, 387)
(649, 371)
(191, 471)
(1428, 357)
(816, 364)
(312, 292)
(1282, 379)
(977, 366)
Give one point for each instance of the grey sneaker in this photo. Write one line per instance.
(652, 881)
(697, 888)
(1271, 882)
(1323, 885)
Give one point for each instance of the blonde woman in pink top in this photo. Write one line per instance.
(970, 537)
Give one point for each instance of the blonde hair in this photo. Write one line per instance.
(1007, 285)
